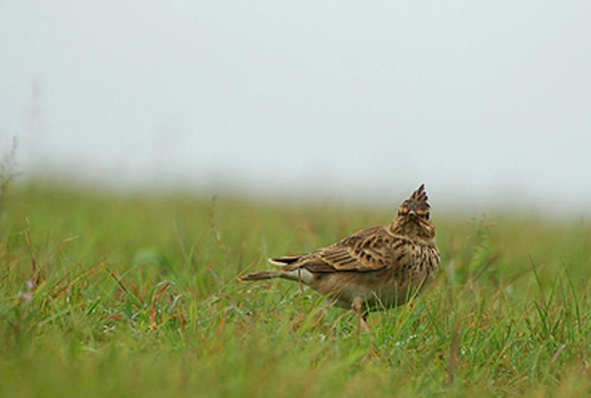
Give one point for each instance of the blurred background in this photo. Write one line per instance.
(487, 103)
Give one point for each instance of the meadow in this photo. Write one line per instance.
(135, 295)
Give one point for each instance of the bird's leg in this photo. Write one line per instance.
(357, 307)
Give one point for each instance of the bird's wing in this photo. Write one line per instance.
(364, 251)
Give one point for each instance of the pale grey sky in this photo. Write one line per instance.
(488, 103)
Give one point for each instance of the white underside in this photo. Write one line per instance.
(300, 275)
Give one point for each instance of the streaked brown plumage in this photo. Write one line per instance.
(373, 269)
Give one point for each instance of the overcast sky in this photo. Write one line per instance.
(488, 103)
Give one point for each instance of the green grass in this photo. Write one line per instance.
(136, 296)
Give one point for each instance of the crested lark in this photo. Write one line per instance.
(373, 269)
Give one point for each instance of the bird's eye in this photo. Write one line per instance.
(427, 216)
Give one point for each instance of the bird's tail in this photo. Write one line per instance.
(281, 272)
(285, 260)
(258, 276)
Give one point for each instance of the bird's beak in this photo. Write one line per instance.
(412, 212)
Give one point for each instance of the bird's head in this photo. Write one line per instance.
(414, 217)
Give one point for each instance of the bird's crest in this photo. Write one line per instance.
(420, 195)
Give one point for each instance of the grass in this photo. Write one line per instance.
(105, 294)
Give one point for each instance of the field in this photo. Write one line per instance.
(107, 294)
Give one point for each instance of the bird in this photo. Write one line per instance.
(373, 269)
